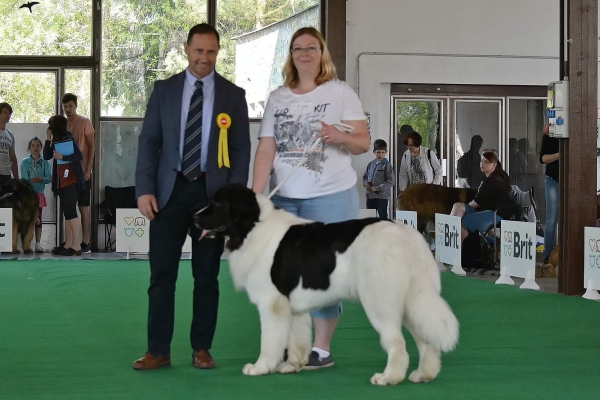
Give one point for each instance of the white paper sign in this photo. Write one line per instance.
(133, 231)
(6, 229)
(517, 252)
(447, 240)
(591, 258)
(407, 217)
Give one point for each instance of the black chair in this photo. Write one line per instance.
(115, 197)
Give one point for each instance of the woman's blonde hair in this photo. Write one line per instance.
(327, 72)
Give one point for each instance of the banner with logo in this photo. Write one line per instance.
(6, 229)
(448, 242)
(517, 252)
(133, 232)
(407, 217)
(591, 262)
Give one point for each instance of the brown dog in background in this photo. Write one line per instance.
(428, 199)
(20, 196)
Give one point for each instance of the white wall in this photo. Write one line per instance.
(508, 42)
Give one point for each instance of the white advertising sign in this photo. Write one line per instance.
(448, 242)
(407, 217)
(133, 232)
(6, 229)
(591, 263)
(517, 253)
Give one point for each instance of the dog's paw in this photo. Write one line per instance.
(16, 252)
(287, 368)
(254, 370)
(28, 251)
(419, 377)
(383, 380)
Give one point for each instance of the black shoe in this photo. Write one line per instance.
(71, 252)
(85, 248)
(57, 251)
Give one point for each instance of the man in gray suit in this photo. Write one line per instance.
(178, 171)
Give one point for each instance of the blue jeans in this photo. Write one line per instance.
(478, 221)
(551, 216)
(381, 205)
(330, 208)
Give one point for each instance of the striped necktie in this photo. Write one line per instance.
(190, 164)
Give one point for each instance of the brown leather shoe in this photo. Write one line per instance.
(203, 360)
(151, 362)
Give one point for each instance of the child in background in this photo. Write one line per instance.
(378, 179)
(36, 171)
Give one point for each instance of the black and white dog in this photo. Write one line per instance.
(290, 266)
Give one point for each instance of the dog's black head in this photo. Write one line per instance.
(233, 211)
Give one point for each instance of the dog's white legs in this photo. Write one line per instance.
(429, 360)
(275, 321)
(298, 344)
(386, 321)
(395, 370)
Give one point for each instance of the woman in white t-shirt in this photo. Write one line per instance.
(324, 188)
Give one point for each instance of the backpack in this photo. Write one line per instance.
(477, 252)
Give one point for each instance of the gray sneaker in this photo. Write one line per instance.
(315, 361)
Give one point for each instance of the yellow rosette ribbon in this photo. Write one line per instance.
(223, 122)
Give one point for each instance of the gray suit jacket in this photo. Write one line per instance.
(158, 145)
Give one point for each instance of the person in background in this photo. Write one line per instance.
(67, 181)
(378, 179)
(8, 158)
(493, 193)
(82, 130)
(36, 171)
(549, 155)
(298, 113)
(468, 164)
(419, 164)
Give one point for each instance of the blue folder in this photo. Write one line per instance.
(65, 148)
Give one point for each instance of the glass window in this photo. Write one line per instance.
(142, 41)
(52, 28)
(30, 94)
(78, 82)
(255, 37)
(118, 152)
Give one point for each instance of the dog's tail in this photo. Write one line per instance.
(431, 317)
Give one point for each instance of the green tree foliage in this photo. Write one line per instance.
(142, 40)
(422, 116)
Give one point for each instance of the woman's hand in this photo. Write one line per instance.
(36, 179)
(331, 134)
(57, 155)
(48, 134)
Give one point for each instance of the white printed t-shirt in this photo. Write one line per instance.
(7, 142)
(294, 120)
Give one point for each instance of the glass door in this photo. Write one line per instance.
(422, 115)
(33, 96)
(478, 125)
(526, 118)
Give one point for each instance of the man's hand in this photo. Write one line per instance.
(148, 206)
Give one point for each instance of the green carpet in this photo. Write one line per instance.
(71, 330)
